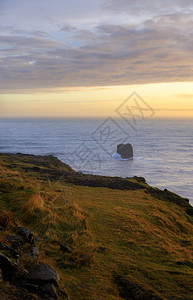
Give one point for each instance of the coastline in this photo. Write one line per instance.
(49, 165)
(119, 232)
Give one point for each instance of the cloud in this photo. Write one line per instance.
(157, 48)
(68, 28)
(147, 7)
(46, 14)
(29, 42)
(84, 35)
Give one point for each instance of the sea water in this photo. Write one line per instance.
(163, 148)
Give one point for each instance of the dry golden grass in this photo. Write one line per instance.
(14, 174)
(35, 202)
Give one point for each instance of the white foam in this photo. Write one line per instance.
(118, 156)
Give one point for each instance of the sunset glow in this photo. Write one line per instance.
(166, 99)
(83, 60)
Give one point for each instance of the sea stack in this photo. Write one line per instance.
(125, 150)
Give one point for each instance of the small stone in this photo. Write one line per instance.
(71, 262)
(25, 234)
(102, 249)
(84, 256)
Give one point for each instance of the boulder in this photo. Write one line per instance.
(41, 279)
(43, 274)
(49, 291)
(125, 150)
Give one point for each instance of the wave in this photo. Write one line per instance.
(118, 156)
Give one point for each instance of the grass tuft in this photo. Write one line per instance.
(34, 203)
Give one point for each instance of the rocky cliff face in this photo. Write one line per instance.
(20, 266)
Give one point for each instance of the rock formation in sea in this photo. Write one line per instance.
(125, 150)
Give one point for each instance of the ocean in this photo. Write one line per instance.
(163, 148)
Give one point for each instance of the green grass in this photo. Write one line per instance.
(144, 237)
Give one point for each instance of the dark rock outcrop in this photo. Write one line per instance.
(40, 279)
(43, 274)
(118, 183)
(139, 179)
(125, 150)
(24, 237)
(168, 196)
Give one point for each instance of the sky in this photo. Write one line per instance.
(84, 58)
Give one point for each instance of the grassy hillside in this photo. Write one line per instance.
(108, 238)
